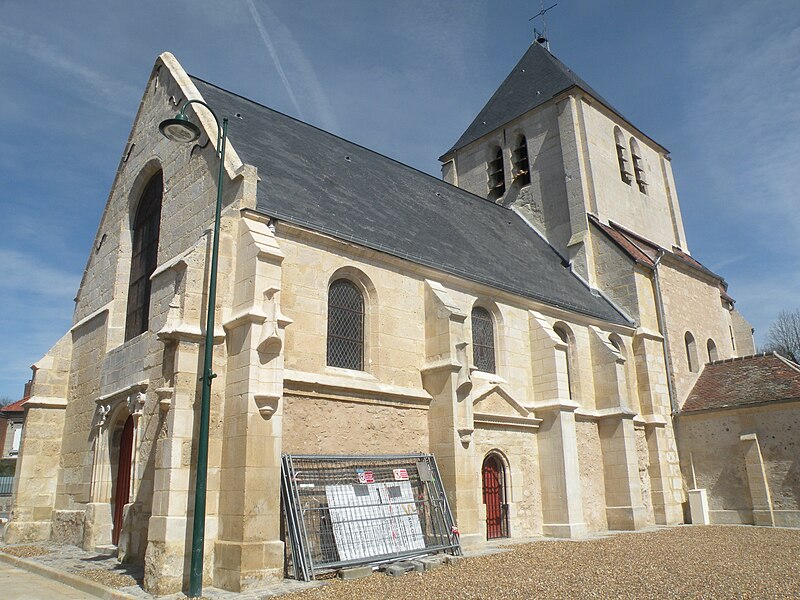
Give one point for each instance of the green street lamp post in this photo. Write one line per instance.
(180, 129)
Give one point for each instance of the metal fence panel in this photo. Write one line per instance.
(353, 510)
(6, 485)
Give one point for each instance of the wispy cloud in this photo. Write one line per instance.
(98, 89)
(23, 273)
(301, 69)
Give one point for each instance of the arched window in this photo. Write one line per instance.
(483, 340)
(519, 161)
(691, 351)
(712, 350)
(564, 337)
(496, 172)
(345, 326)
(144, 256)
(638, 166)
(622, 156)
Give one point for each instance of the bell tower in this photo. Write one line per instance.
(547, 145)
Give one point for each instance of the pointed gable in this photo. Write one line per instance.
(537, 78)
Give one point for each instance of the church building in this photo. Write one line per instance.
(534, 320)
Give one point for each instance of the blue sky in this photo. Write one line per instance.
(718, 83)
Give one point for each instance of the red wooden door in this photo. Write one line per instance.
(494, 498)
(123, 488)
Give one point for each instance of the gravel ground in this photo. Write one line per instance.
(110, 578)
(683, 562)
(25, 551)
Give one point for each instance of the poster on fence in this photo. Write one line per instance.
(374, 520)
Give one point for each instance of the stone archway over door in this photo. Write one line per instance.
(494, 497)
(123, 479)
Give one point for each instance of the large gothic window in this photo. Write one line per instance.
(144, 256)
(483, 340)
(345, 326)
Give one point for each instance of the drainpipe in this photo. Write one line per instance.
(673, 403)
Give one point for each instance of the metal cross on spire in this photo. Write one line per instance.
(541, 36)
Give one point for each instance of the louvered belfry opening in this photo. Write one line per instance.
(345, 326)
(144, 256)
(519, 159)
(483, 340)
(496, 173)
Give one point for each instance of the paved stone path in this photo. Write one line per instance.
(17, 584)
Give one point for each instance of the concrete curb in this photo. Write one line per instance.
(75, 581)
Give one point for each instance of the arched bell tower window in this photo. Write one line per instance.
(622, 156)
(638, 166)
(520, 163)
(345, 326)
(144, 256)
(483, 340)
(496, 172)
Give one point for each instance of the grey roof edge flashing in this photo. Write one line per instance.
(450, 269)
(592, 290)
(356, 144)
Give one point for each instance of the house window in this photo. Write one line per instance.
(144, 256)
(712, 350)
(638, 166)
(496, 172)
(691, 352)
(519, 162)
(483, 340)
(733, 339)
(345, 326)
(622, 157)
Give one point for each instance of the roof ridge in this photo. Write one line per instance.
(351, 142)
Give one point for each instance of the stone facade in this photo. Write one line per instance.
(746, 458)
(578, 410)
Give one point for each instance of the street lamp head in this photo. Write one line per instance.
(179, 129)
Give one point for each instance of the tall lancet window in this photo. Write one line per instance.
(622, 156)
(144, 256)
(345, 326)
(520, 163)
(483, 340)
(496, 173)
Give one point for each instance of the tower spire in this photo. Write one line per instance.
(540, 37)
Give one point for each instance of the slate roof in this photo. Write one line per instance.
(319, 181)
(747, 381)
(537, 78)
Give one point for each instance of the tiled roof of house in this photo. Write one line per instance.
(745, 381)
(319, 181)
(15, 407)
(537, 78)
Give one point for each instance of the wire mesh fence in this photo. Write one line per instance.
(346, 511)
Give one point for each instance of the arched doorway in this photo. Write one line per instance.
(123, 477)
(494, 497)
